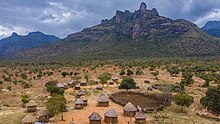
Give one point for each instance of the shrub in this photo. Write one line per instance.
(129, 72)
(212, 100)
(183, 99)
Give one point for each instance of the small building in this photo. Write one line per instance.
(65, 86)
(111, 82)
(60, 85)
(146, 81)
(114, 79)
(85, 100)
(77, 87)
(28, 119)
(71, 83)
(83, 83)
(103, 101)
(43, 115)
(129, 110)
(96, 81)
(79, 104)
(111, 116)
(31, 106)
(99, 88)
(80, 93)
(95, 118)
(140, 118)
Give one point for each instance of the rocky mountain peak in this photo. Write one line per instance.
(143, 7)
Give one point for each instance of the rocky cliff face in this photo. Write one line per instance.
(142, 22)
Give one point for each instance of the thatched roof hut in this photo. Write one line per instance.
(43, 115)
(111, 116)
(95, 118)
(103, 101)
(111, 82)
(83, 83)
(79, 104)
(99, 88)
(31, 106)
(71, 83)
(140, 118)
(85, 100)
(60, 85)
(28, 119)
(77, 87)
(129, 109)
(114, 79)
(80, 93)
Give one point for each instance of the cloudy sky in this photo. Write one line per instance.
(63, 17)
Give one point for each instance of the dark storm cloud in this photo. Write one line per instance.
(62, 17)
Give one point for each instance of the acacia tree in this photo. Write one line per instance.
(104, 78)
(174, 70)
(155, 74)
(56, 105)
(128, 83)
(187, 78)
(183, 99)
(212, 100)
(25, 98)
(87, 76)
(91, 82)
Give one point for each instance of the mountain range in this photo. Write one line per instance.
(212, 28)
(16, 43)
(140, 34)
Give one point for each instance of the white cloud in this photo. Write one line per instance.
(6, 30)
(187, 4)
(212, 15)
(58, 13)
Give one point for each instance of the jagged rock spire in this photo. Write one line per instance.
(143, 6)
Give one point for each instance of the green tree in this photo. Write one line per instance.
(87, 76)
(91, 83)
(127, 83)
(207, 78)
(24, 76)
(174, 70)
(56, 105)
(25, 98)
(104, 78)
(183, 99)
(122, 72)
(64, 74)
(129, 72)
(155, 74)
(212, 100)
(139, 71)
(187, 78)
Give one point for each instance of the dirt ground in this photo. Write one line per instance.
(11, 111)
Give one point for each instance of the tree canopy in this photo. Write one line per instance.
(212, 100)
(128, 83)
(183, 99)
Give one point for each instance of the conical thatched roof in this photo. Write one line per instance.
(83, 82)
(31, 103)
(72, 122)
(139, 115)
(79, 102)
(83, 98)
(43, 112)
(103, 99)
(129, 107)
(60, 85)
(95, 116)
(111, 113)
(28, 119)
(70, 82)
(81, 93)
(77, 85)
